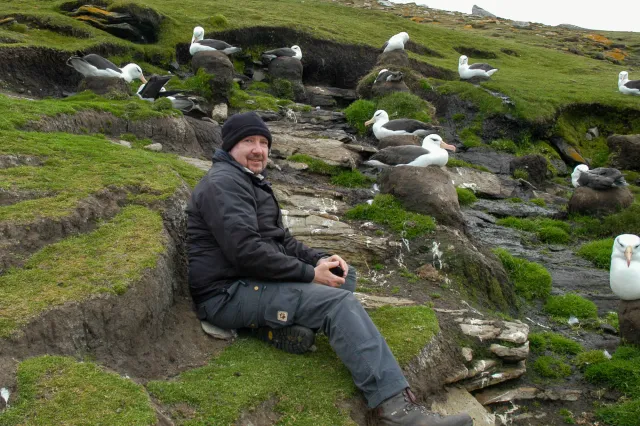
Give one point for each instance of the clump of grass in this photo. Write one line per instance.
(551, 367)
(455, 162)
(386, 210)
(17, 27)
(553, 235)
(598, 252)
(521, 174)
(59, 390)
(514, 200)
(358, 113)
(162, 104)
(405, 105)
(218, 21)
(538, 202)
(506, 145)
(567, 416)
(625, 222)
(531, 281)
(246, 101)
(469, 138)
(556, 343)
(585, 359)
(458, 117)
(571, 304)
(466, 196)
(550, 231)
(352, 179)
(316, 165)
(282, 88)
(198, 84)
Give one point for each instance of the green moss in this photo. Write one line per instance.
(246, 101)
(531, 281)
(162, 104)
(556, 343)
(598, 252)
(386, 210)
(352, 179)
(515, 200)
(531, 225)
(625, 222)
(458, 117)
(505, 145)
(282, 88)
(107, 260)
(316, 165)
(585, 359)
(454, 162)
(405, 105)
(551, 367)
(538, 202)
(521, 174)
(358, 113)
(218, 21)
(410, 276)
(553, 235)
(406, 330)
(59, 390)
(571, 304)
(17, 28)
(469, 137)
(567, 416)
(466, 196)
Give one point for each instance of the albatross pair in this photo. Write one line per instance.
(431, 153)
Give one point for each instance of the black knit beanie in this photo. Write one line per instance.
(239, 126)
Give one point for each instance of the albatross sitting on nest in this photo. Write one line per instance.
(396, 42)
(432, 152)
(185, 102)
(626, 86)
(201, 44)
(288, 52)
(467, 71)
(383, 128)
(93, 65)
(624, 276)
(385, 75)
(600, 178)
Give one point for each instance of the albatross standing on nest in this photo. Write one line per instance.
(624, 276)
(201, 44)
(600, 178)
(626, 86)
(93, 65)
(431, 153)
(396, 42)
(467, 71)
(188, 104)
(383, 128)
(289, 52)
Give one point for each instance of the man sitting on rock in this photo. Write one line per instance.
(247, 271)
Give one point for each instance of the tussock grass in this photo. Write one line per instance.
(556, 343)
(551, 367)
(598, 252)
(571, 304)
(60, 390)
(466, 196)
(531, 281)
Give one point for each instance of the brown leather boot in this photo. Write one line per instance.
(402, 409)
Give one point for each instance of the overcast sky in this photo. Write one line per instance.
(607, 15)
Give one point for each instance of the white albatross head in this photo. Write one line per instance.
(463, 61)
(298, 51)
(198, 34)
(132, 72)
(627, 247)
(623, 77)
(379, 116)
(435, 142)
(404, 36)
(382, 70)
(576, 174)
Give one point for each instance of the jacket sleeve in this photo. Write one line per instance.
(228, 207)
(301, 251)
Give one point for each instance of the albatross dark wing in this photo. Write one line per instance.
(483, 67)
(602, 178)
(100, 62)
(384, 46)
(394, 155)
(154, 84)
(632, 84)
(214, 44)
(409, 126)
(283, 51)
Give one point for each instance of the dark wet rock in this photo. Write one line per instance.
(221, 70)
(495, 161)
(534, 165)
(394, 58)
(504, 209)
(388, 87)
(609, 329)
(629, 315)
(589, 201)
(399, 140)
(568, 153)
(132, 22)
(112, 86)
(289, 69)
(330, 96)
(560, 166)
(426, 190)
(625, 151)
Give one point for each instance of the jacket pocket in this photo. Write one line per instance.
(281, 310)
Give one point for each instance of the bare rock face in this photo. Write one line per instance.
(289, 69)
(534, 165)
(396, 58)
(426, 190)
(105, 85)
(482, 183)
(388, 87)
(330, 151)
(218, 65)
(625, 150)
(629, 315)
(478, 11)
(593, 202)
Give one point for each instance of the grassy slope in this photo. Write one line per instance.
(539, 80)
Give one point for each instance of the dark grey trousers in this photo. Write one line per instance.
(336, 311)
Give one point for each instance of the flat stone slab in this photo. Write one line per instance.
(369, 301)
(484, 184)
(493, 396)
(331, 151)
(461, 401)
(500, 375)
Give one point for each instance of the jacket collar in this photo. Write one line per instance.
(221, 156)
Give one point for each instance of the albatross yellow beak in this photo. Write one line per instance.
(445, 145)
(627, 254)
(142, 79)
(366, 123)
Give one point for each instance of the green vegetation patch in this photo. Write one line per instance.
(550, 231)
(531, 281)
(556, 343)
(598, 252)
(107, 260)
(405, 105)
(626, 221)
(60, 390)
(466, 196)
(622, 373)
(585, 359)
(571, 304)
(538, 202)
(553, 235)
(315, 165)
(358, 113)
(352, 179)
(455, 162)
(551, 367)
(407, 330)
(255, 99)
(386, 210)
(78, 166)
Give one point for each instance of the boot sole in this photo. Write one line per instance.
(294, 339)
